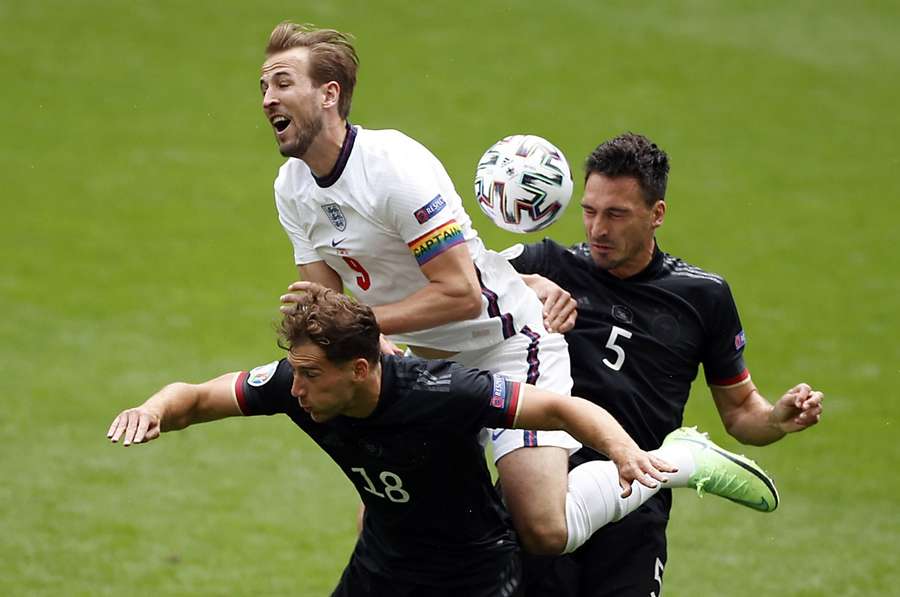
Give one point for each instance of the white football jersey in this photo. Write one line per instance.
(387, 208)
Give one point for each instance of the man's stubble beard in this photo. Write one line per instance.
(309, 130)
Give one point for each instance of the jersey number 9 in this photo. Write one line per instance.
(362, 280)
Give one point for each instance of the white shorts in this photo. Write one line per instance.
(534, 356)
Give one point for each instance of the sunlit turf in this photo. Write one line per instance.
(140, 246)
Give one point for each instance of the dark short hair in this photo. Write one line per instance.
(332, 56)
(343, 328)
(636, 156)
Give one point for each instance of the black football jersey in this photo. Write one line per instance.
(432, 514)
(637, 343)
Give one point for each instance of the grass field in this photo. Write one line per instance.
(140, 246)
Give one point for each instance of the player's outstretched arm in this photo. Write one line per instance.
(560, 309)
(751, 419)
(594, 426)
(176, 406)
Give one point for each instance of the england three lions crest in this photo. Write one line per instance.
(335, 215)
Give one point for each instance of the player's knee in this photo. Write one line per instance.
(543, 539)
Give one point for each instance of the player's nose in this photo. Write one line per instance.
(598, 228)
(269, 99)
(297, 389)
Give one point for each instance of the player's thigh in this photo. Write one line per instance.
(535, 481)
(626, 558)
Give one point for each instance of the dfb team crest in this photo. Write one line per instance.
(335, 215)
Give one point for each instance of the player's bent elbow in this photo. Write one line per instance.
(473, 307)
(468, 302)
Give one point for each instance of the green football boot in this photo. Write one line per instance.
(725, 474)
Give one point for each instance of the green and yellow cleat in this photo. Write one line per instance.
(725, 474)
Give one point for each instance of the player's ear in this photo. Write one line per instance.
(659, 213)
(332, 93)
(360, 369)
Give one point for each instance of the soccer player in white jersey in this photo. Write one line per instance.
(374, 212)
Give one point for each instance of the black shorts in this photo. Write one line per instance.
(623, 559)
(357, 581)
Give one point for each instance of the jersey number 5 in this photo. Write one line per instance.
(362, 280)
(611, 344)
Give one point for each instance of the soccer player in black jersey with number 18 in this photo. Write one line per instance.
(405, 432)
(645, 322)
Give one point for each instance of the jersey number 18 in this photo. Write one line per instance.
(392, 485)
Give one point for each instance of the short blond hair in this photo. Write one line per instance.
(332, 56)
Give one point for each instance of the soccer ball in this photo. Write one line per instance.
(523, 183)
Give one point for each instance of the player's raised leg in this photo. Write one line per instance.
(594, 500)
(535, 484)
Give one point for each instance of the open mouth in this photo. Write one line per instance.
(281, 123)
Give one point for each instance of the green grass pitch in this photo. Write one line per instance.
(140, 246)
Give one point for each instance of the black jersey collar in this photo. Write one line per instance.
(653, 267)
(332, 177)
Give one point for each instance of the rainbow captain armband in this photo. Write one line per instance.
(431, 244)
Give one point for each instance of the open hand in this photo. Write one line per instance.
(139, 426)
(635, 464)
(559, 307)
(295, 290)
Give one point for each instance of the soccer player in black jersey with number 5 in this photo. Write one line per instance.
(405, 432)
(645, 322)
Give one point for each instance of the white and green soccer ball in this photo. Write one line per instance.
(523, 183)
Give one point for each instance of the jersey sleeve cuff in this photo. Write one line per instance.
(731, 382)
(515, 404)
(239, 395)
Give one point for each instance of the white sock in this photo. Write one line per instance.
(594, 500)
(681, 457)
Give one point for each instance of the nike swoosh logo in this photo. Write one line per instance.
(335, 243)
(762, 505)
(496, 434)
